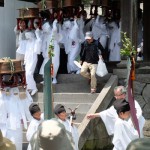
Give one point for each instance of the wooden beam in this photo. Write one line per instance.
(32, 1)
(146, 33)
(129, 19)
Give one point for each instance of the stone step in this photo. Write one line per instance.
(74, 83)
(75, 97)
(66, 97)
(75, 78)
(82, 108)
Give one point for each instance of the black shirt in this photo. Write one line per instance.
(90, 51)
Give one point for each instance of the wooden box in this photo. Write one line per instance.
(10, 66)
(68, 3)
(28, 12)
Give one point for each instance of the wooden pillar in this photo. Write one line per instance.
(146, 33)
(129, 19)
(47, 89)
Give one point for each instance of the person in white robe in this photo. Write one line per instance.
(114, 44)
(60, 112)
(32, 47)
(3, 111)
(51, 36)
(14, 123)
(20, 35)
(124, 133)
(71, 41)
(17, 115)
(57, 37)
(109, 116)
(37, 118)
(46, 38)
(100, 31)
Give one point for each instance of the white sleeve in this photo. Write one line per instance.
(109, 117)
(117, 139)
(31, 130)
(138, 109)
(38, 46)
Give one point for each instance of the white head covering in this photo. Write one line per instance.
(46, 27)
(67, 25)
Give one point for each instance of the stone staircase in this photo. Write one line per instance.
(72, 90)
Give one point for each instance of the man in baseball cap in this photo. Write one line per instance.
(88, 35)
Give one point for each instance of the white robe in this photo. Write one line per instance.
(46, 38)
(110, 116)
(114, 46)
(100, 31)
(51, 36)
(30, 61)
(30, 47)
(57, 37)
(71, 43)
(14, 126)
(73, 130)
(17, 116)
(3, 112)
(123, 134)
(32, 128)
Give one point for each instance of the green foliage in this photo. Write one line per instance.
(127, 48)
(51, 48)
(86, 2)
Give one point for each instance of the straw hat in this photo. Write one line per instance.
(6, 144)
(139, 144)
(52, 134)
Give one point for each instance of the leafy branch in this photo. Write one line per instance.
(51, 48)
(127, 48)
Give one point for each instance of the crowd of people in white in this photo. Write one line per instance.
(71, 35)
(14, 110)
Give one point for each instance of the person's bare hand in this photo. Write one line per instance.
(90, 116)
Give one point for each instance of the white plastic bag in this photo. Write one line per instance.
(101, 68)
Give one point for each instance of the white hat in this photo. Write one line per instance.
(88, 35)
(52, 134)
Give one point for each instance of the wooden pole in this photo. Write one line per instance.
(47, 89)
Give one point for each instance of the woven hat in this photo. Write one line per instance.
(6, 144)
(52, 134)
(139, 144)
